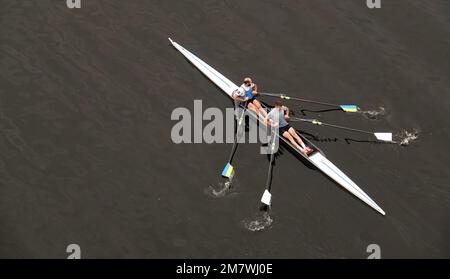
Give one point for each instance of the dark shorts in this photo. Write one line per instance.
(249, 101)
(283, 129)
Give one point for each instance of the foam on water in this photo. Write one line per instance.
(374, 114)
(220, 190)
(260, 223)
(406, 137)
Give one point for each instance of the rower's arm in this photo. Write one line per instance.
(268, 121)
(240, 99)
(235, 95)
(255, 89)
(286, 113)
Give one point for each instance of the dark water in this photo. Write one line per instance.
(85, 149)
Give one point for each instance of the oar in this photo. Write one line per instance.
(228, 170)
(346, 108)
(267, 196)
(379, 136)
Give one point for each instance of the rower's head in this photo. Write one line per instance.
(278, 104)
(247, 81)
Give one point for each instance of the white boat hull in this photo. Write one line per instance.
(317, 158)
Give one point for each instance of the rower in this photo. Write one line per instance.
(277, 118)
(247, 92)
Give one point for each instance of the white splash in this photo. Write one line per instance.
(261, 223)
(406, 138)
(374, 114)
(220, 191)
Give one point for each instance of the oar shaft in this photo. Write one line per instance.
(233, 150)
(240, 121)
(313, 102)
(282, 96)
(269, 172)
(347, 128)
(267, 196)
(316, 122)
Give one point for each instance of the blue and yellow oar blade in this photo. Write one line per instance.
(349, 108)
(228, 171)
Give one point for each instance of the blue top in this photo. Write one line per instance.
(248, 91)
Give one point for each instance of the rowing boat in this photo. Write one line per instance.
(317, 157)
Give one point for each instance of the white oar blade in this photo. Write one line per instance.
(266, 198)
(384, 136)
